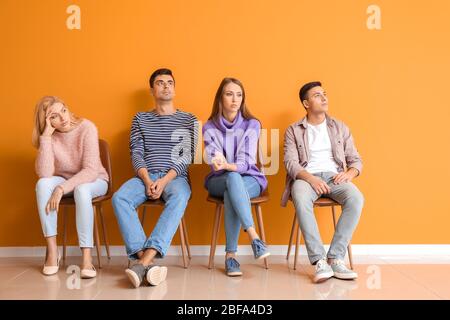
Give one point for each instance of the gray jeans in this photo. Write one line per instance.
(346, 194)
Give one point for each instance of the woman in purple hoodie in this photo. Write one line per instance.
(231, 141)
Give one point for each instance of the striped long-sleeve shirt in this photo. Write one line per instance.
(163, 142)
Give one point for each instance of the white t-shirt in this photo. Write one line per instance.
(321, 157)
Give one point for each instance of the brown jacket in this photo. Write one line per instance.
(296, 151)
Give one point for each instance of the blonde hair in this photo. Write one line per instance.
(39, 116)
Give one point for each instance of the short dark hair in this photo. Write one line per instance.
(158, 73)
(303, 94)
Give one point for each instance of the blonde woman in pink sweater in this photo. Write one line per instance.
(68, 163)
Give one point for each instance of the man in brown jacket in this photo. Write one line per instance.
(321, 160)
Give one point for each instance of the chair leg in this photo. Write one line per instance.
(349, 248)
(143, 216)
(97, 238)
(350, 257)
(105, 237)
(64, 234)
(183, 245)
(297, 243)
(261, 230)
(291, 236)
(334, 217)
(215, 233)
(186, 238)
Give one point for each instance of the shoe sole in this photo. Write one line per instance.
(156, 275)
(134, 279)
(265, 255)
(345, 276)
(86, 276)
(234, 274)
(323, 277)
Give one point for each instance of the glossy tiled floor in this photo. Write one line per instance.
(379, 278)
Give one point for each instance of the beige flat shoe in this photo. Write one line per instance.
(51, 270)
(88, 273)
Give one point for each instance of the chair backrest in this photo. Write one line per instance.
(259, 157)
(105, 157)
(259, 164)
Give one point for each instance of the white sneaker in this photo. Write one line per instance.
(323, 271)
(156, 274)
(342, 272)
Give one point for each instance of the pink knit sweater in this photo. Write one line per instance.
(73, 155)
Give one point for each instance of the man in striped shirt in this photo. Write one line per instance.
(162, 145)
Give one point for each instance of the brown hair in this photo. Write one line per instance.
(39, 116)
(217, 105)
(160, 72)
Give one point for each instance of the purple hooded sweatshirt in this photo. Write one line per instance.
(238, 142)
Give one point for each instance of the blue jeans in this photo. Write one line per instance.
(84, 211)
(131, 195)
(236, 191)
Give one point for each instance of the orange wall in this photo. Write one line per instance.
(390, 86)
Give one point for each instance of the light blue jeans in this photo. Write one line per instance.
(131, 195)
(346, 194)
(236, 191)
(83, 195)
